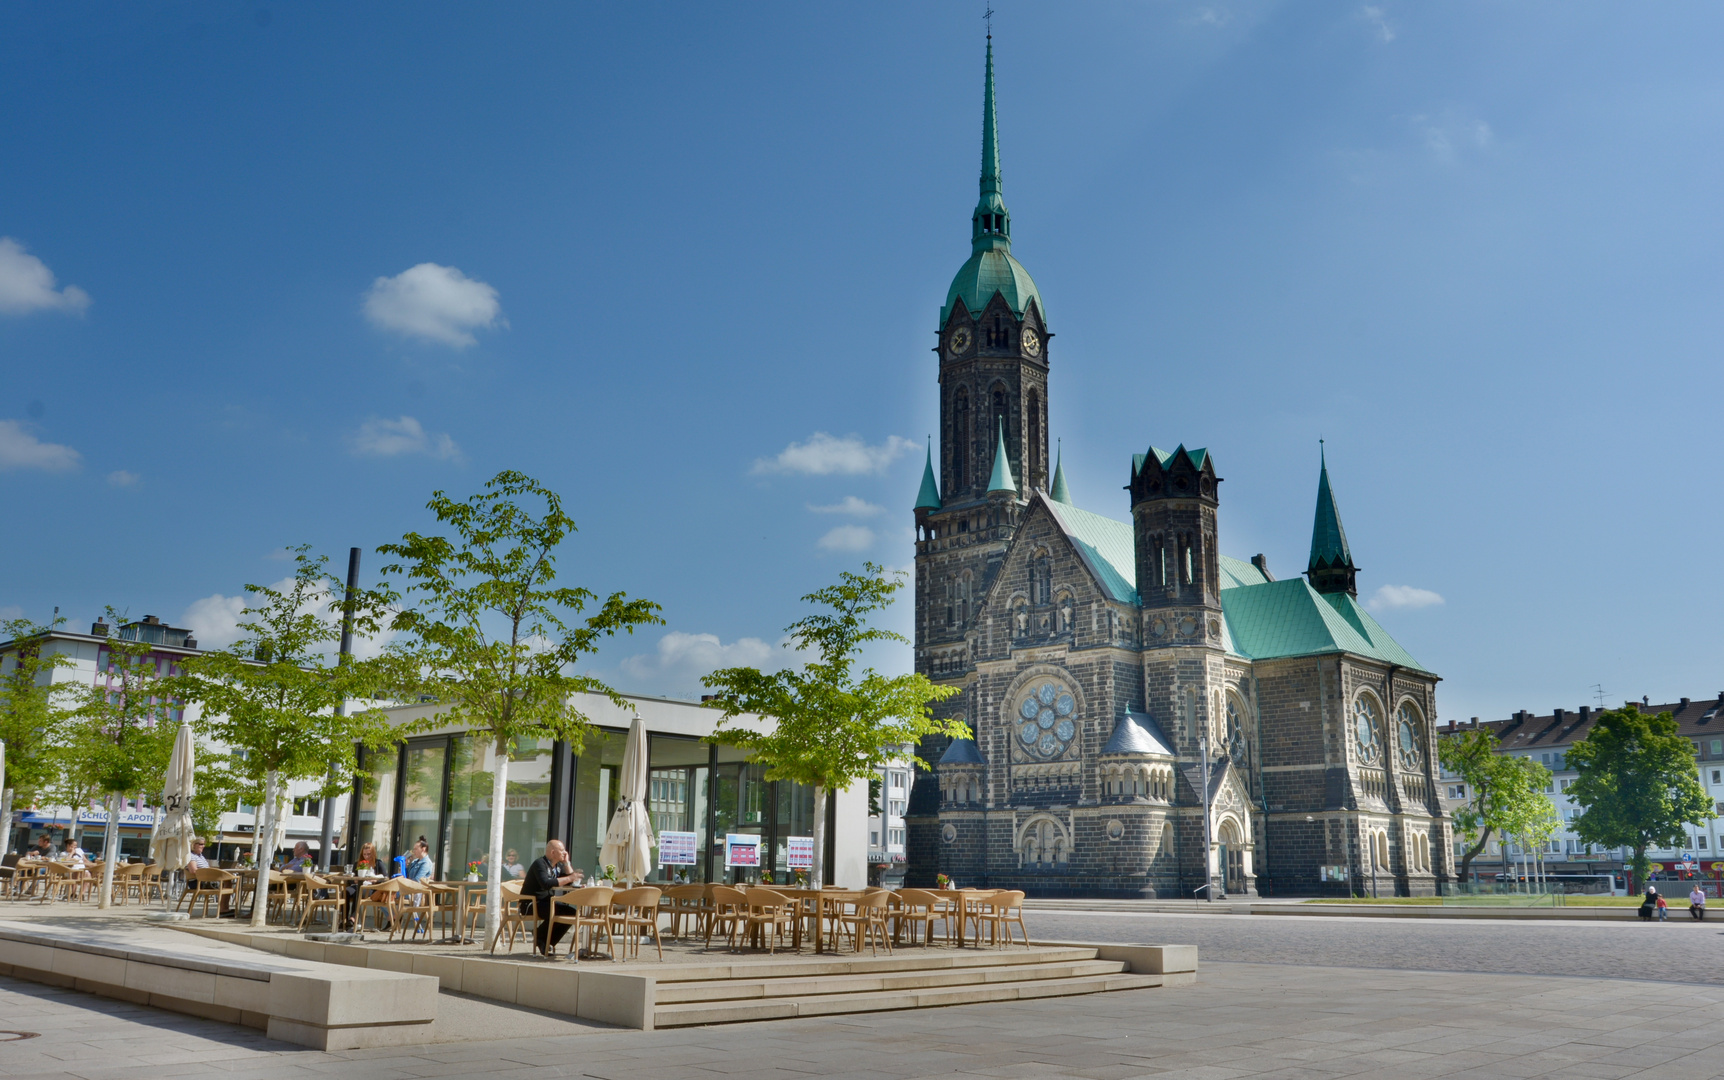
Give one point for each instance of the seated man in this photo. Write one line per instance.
(549, 872)
(44, 847)
(302, 862)
(195, 862)
(1697, 902)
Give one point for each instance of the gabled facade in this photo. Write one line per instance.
(1121, 676)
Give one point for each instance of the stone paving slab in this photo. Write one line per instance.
(1263, 1022)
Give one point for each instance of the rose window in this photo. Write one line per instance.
(1365, 730)
(1045, 720)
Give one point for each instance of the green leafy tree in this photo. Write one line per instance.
(1638, 786)
(831, 725)
(275, 694)
(492, 637)
(33, 710)
(1537, 820)
(1502, 790)
(120, 737)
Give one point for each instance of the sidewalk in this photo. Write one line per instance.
(1240, 1021)
(1304, 907)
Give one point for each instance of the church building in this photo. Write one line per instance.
(1150, 717)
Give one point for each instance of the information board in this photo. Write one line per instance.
(741, 849)
(801, 852)
(676, 848)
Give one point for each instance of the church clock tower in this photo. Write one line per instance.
(993, 374)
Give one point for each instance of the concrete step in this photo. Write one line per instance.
(730, 990)
(730, 1012)
(905, 958)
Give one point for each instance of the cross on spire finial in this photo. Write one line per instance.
(989, 16)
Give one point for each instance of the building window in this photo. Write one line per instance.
(1715, 775)
(895, 838)
(874, 838)
(1700, 842)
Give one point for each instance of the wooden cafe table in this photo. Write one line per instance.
(963, 901)
(820, 906)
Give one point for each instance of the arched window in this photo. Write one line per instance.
(1409, 736)
(1367, 718)
(1235, 731)
(960, 436)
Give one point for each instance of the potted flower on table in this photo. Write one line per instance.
(473, 870)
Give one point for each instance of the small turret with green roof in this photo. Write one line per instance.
(929, 497)
(1331, 569)
(1002, 480)
(1058, 492)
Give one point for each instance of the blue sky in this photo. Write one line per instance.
(275, 272)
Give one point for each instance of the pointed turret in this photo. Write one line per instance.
(1058, 492)
(991, 228)
(929, 497)
(1331, 568)
(1001, 480)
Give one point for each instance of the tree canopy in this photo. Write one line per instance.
(833, 725)
(1638, 786)
(1504, 793)
(33, 713)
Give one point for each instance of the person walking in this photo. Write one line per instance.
(1697, 903)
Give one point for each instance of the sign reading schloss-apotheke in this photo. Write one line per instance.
(676, 848)
(741, 849)
(799, 852)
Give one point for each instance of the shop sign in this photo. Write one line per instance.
(800, 852)
(741, 849)
(516, 802)
(676, 848)
(138, 818)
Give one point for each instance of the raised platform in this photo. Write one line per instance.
(324, 1006)
(697, 986)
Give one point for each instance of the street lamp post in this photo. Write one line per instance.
(1208, 840)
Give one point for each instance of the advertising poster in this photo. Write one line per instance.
(676, 848)
(800, 852)
(741, 849)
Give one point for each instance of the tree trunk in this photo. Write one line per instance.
(818, 875)
(110, 850)
(263, 826)
(1467, 859)
(494, 859)
(5, 822)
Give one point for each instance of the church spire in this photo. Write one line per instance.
(929, 497)
(1058, 492)
(1331, 569)
(991, 225)
(1001, 480)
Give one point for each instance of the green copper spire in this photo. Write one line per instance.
(991, 268)
(1001, 480)
(991, 225)
(1331, 569)
(1059, 493)
(929, 497)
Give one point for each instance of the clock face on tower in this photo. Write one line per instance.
(1032, 342)
(959, 342)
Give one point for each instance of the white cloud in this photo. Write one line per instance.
(1396, 597)
(1378, 22)
(851, 506)
(26, 284)
(1446, 137)
(1209, 16)
(847, 538)
(122, 478)
(379, 437)
(19, 449)
(214, 620)
(824, 455)
(437, 303)
(676, 666)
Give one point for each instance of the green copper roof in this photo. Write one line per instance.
(1237, 572)
(1001, 480)
(929, 497)
(1290, 618)
(1106, 547)
(1197, 457)
(991, 268)
(1058, 492)
(1328, 538)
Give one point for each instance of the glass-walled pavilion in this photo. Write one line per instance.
(438, 786)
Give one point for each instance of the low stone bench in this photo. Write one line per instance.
(324, 1006)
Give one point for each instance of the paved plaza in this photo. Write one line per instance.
(1292, 1018)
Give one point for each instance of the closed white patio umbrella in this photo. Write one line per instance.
(629, 840)
(171, 844)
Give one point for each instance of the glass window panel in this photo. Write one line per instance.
(596, 783)
(526, 811)
(422, 795)
(375, 822)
